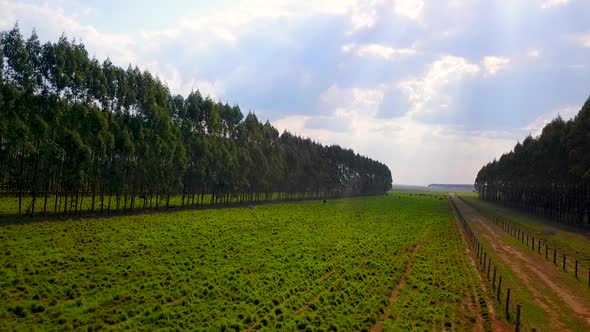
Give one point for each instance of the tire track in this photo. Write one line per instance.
(378, 327)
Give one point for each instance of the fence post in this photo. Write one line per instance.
(539, 247)
(490, 263)
(576, 269)
(499, 289)
(517, 326)
(546, 251)
(494, 279)
(564, 262)
(507, 302)
(20, 201)
(479, 255)
(554, 256)
(533, 243)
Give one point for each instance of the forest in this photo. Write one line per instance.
(548, 174)
(73, 127)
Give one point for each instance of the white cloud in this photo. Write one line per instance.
(429, 93)
(363, 14)
(533, 53)
(581, 40)
(411, 9)
(52, 22)
(346, 101)
(493, 64)
(377, 50)
(553, 3)
(416, 152)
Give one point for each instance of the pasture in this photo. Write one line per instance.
(373, 263)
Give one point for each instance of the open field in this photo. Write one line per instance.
(551, 299)
(376, 263)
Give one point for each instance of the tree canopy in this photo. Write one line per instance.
(549, 173)
(72, 124)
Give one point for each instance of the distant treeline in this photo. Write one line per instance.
(548, 174)
(460, 187)
(70, 125)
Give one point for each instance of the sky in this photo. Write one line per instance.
(434, 89)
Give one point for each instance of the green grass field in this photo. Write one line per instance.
(296, 266)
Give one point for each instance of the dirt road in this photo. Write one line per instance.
(566, 304)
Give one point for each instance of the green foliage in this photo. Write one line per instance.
(548, 174)
(309, 265)
(70, 124)
(559, 155)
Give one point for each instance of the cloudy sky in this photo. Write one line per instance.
(432, 88)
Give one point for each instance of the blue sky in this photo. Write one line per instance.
(433, 88)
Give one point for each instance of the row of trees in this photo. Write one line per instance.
(71, 126)
(548, 174)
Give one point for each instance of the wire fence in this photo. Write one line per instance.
(578, 267)
(508, 304)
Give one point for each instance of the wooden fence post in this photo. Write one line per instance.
(517, 326)
(564, 262)
(546, 251)
(554, 256)
(499, 289)
(539, 247)
(490, 263)
(576, 269)
(533, 244)
(507, 302)
(494, 278)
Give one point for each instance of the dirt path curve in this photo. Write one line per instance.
(540, 278)
(378, 327)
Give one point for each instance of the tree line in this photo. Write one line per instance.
(548, 174)
(72, 127)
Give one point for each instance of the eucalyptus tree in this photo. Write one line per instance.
(548, 174)
(75, 128)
